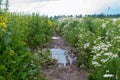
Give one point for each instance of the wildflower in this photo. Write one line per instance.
(3, 26)
(108, 75)
(115, 56)
(86, 45)
(104, 60)
(103, 25)
(50, 23)
(96, 63)
(108, 54)
(94, 42)
(107, 71)
(99, 37)
(107, 33)
(118, 49)
(118, 37)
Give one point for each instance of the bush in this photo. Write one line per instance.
(40, 31)
(18, 33)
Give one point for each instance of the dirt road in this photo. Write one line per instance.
(60, 72)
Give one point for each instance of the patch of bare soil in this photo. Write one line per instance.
(65, 73)
(59, 71)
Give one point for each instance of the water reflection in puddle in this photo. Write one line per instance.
(61, 56)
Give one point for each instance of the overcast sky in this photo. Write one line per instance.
(65, 7)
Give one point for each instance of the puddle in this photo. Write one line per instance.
(55, 37)
(61, 56)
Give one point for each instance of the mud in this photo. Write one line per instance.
(67, 73)
(59, 71)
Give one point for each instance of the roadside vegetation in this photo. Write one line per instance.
(22, 38)
(95, 42)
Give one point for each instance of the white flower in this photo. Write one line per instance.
(96, 56)
(105, 49)
(103, 25)
(107, 71)
(108, 75)
(97, 48)
(99, 38)
(103, 45)
(104, 60)
(107, 33)
(111, 55)
(118, 37)
(115, 56)
(108, 54)
(94, 42)
(96, 63)
(118, 49)
(86, 45)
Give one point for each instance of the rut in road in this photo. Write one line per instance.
(59, 71)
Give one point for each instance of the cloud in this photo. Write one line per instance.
(61, 7)
(42, 0)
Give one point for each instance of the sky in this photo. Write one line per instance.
(65, 7)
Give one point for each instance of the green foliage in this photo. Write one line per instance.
(42, 57)
(96, 44)
(110, 68)
(18, 33)
(39, 29)
(78, 33)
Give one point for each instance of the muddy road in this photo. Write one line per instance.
(60, 71)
